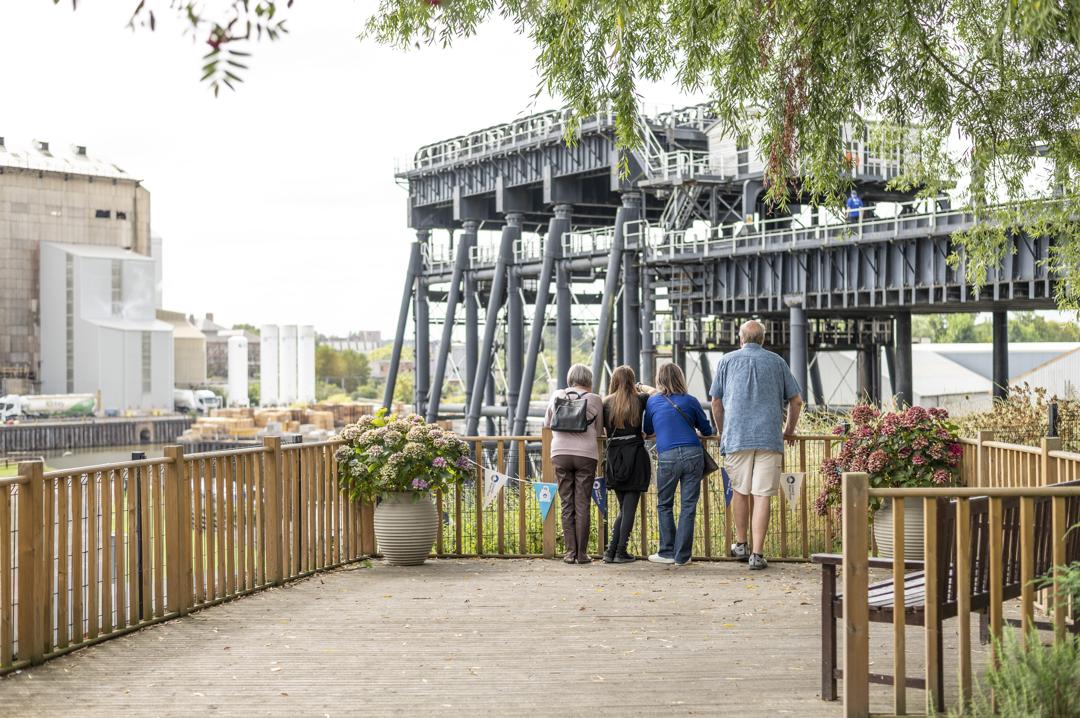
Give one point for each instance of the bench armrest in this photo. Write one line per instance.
(835, 559)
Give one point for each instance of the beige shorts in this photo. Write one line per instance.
(754, 471)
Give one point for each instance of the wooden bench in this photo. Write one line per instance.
(881, 594)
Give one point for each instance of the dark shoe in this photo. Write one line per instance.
(569, 558)
(740, 551)
(584, 560)
(624, 557)
(609, 555)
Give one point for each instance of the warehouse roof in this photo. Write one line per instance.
(42, 156)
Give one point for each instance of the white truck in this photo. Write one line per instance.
(14, 406)
(198, 401)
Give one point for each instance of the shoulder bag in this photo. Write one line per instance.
(709, 465)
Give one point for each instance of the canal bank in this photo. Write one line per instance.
(45, 437)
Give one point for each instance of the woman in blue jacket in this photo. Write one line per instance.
(676, 419)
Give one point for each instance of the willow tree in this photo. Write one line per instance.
(989, 87)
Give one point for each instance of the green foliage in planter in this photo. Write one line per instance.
(1040, 680)
(386, 454)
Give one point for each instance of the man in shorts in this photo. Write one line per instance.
(749, 393)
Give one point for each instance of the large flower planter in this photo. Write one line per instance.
(913, 529)
(405, 528)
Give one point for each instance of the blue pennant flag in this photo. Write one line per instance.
(599, 493)
(727, 487)
(545, 496)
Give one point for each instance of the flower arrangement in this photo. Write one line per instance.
(385, 454)
(915, 448)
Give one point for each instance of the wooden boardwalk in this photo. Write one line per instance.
(476, 637)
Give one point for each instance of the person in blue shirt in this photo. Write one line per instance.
(750, 390)
(854, 206)
(676, 420)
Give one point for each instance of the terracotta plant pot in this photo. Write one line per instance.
(405, 528)
(913, 529)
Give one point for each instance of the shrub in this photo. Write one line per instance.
(915, 448)
(386, 454)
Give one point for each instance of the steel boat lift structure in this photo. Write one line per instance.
(684, 249)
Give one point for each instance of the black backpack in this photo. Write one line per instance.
(571, 413)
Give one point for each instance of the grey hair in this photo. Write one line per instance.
(752, 332)
(579, 375)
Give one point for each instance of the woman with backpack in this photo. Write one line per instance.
(574, 416)
(677, 420)
(627, 469)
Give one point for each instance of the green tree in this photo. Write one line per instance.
(786, 75)
(1023, 327)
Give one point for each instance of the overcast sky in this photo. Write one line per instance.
(277, 203)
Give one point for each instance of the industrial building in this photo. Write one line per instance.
(60, 194)
(189, 350)
(361, 342)
(287, 359)
(99, 330)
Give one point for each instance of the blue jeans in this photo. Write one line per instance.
(681, 465)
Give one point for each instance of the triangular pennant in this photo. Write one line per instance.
(493, 481)
(545, 496)
(599, 493)
(727, 486)
(791, 485)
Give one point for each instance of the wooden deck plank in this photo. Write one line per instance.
(455, 636)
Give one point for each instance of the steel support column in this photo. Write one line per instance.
(1001, 354)
(557, 226)
(611, 288)
(403, 320)
(421, 327)
(864, 374)
(461, 260)
(904, 387)
(472, 323)
(563, 318)
(706, 370)
(647, 375)
(798, 352)
(515, 337)
(815, 380)
(630, 324)
(511, 232)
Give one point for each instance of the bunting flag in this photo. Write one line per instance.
(599, 494)
(727, 487)
(545, 496)
(493, 481)
(791, 485)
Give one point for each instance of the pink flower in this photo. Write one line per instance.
(942, 477)
(864, 413)
(939, 413)
(419, 484)
(918, 459)
(956, 449)
(438, 462)
(877, 460)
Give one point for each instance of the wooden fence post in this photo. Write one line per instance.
(1048, 467)
(272, 507)
(856, 661)
(178, 526)
(32, 570)
(982, 476)
(548, 474)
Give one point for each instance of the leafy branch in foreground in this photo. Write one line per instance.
(982, 88)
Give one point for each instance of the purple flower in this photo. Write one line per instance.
(438, 462)
(462, 462)
(419, 484)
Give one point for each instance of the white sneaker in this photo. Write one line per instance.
(657, 558)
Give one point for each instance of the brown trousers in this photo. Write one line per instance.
(575, 475)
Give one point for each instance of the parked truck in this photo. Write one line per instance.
(45, 406)
(198, 401)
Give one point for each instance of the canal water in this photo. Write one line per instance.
(76, 458)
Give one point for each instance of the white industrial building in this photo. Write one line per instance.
(50, 192)
(99, 329)
(287, 365)
(1060, 376)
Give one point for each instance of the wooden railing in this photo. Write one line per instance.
(92, 553)
(997, 541)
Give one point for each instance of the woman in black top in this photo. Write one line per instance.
(627, 468)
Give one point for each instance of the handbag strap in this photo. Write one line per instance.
(681, 413)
